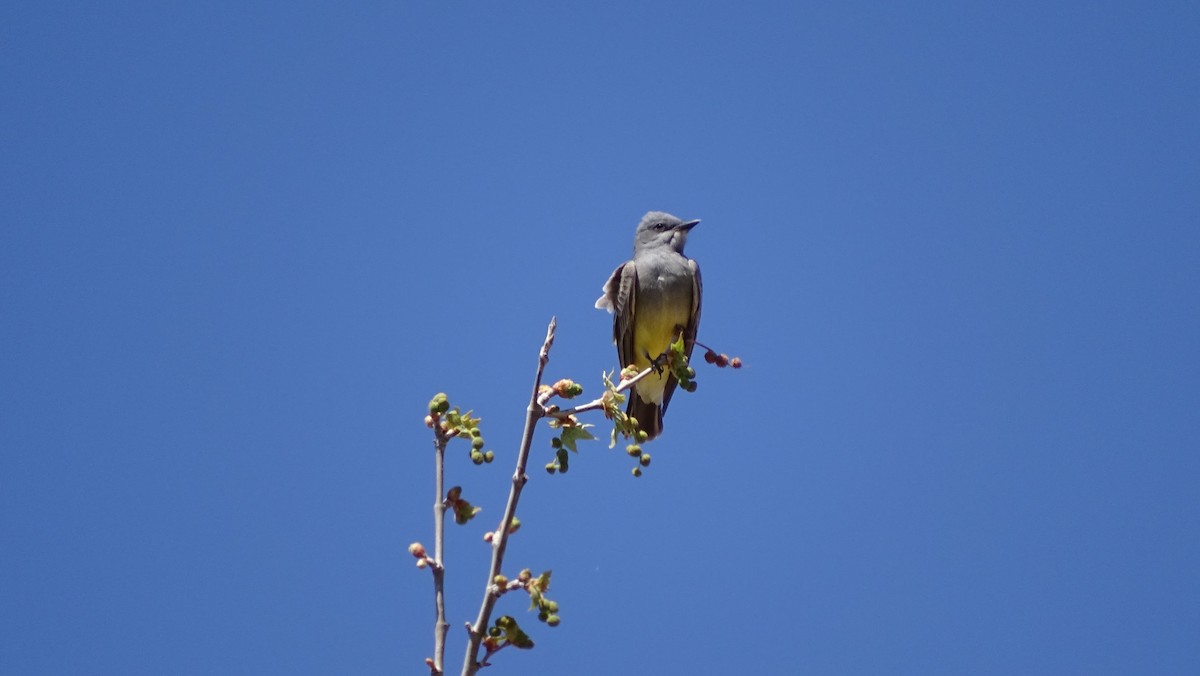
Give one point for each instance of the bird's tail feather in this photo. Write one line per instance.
(648, 414)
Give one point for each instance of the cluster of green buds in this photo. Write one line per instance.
(561, 462)
(454, 423)
(678, 359)
(537, 587)
(643, 458)
(506, 632)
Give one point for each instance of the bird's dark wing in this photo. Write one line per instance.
(608, 295)
(689, 335)
(619, 297)
(623, 307)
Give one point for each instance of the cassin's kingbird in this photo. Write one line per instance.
(654, 298)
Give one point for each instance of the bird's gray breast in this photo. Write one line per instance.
(663, 279)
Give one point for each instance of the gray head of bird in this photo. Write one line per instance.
(658, 228)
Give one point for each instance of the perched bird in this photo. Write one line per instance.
(654, 298)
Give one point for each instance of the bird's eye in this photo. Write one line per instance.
(660, 226)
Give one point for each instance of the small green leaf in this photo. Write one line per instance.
(576, 433)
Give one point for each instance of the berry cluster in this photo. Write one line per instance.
(454, 423)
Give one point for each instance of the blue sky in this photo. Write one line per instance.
(956, 245)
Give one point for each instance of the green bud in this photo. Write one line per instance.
(642, 435)
(494, 632)
(439, 403)
(550, 467)
(633, 421)
(562, 456)
(553, 620)
(556, 443)
(637, 471)
(645, 460)
(489, 456)
(543, 616)
(551, 606)
(477, 457)
(633, 450)
(563, 467)
(477, 443)
(691, 372)
(691, 386)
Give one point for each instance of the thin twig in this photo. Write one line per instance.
(440, 625)
(595, 403)
(535, 411)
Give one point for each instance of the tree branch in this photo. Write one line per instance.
(534, 412)
(440, 625)
(595, 403)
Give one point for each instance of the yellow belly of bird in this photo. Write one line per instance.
(656, 327)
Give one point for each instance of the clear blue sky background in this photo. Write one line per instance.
(958, 246)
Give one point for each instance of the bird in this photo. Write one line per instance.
(654, 299)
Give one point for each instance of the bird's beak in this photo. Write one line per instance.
(688, 225)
